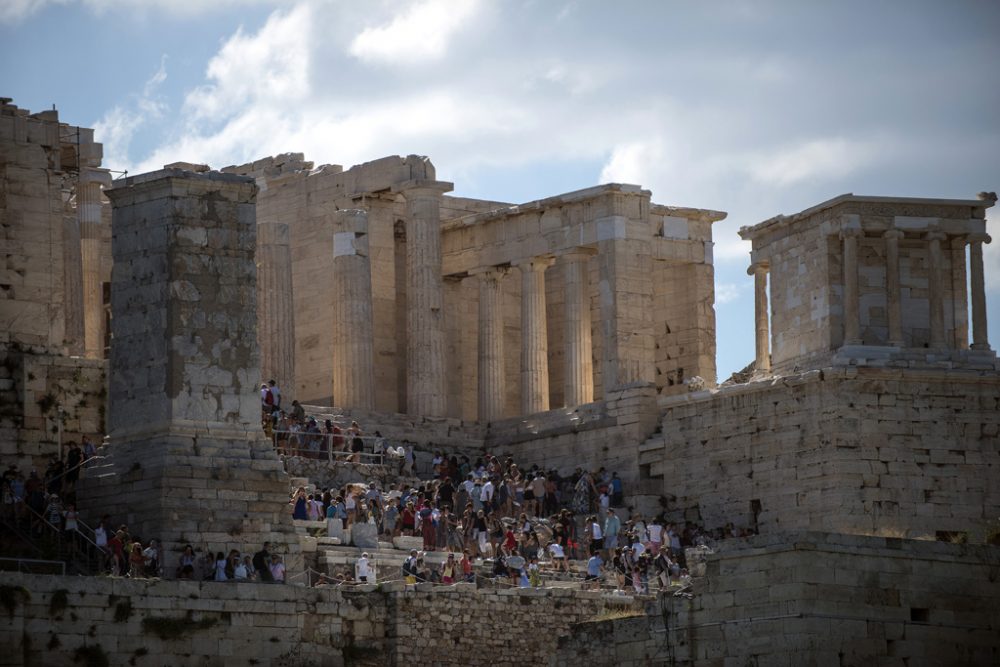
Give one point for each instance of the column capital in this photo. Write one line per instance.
(578, 254)
(90, 175)
(534, 263)
(760, 265)
(935, 235)
(422, 186)
(978, 237)
(851, 232)
(893, 234)
(490, 272)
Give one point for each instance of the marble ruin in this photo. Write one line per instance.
(573, 330)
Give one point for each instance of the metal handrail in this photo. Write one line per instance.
(95, 552)
(301, 447)
(22, 561)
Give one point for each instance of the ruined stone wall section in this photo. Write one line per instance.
(858, 451)
(609, 431)
(814, 599)
(187, 623)
(32, 287)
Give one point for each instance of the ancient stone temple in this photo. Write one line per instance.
(187, 460)
(481, 310)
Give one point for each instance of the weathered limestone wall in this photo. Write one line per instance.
(239, 624)
(609, 432)
(814, 599)
(188, 462)
(43, 202)
(872, 451)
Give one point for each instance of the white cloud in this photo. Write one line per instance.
(417, 35)
(728, 292)
(117, 127)
(817, 158)
(16, 11)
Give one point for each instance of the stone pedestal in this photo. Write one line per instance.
(353, 368)
(88, 211)
(275, 308)
(188, 462)
(425, 381)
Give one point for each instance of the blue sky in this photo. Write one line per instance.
(755, 108)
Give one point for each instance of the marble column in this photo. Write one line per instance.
(852, 316)
(893, 295)
(980, 335)
(761, 328)
(275, 309)
(353, 360)
(936, 293)
(425, 366)
(534, 337)
(88, 211)
(492, 385)
(959, 295)
(579, 374)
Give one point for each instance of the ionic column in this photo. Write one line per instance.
(425, 367)
(759, 271)
(492, 387)
(275, 309)
(579, 375)
(936, 262)
(534, 336)
(893, 297)
(959, 295)
(88, 211)
(980, 335)
(852, 317)
(353, 367)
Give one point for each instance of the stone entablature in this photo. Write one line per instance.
(866, 279)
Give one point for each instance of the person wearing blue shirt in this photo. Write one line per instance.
(594, 569)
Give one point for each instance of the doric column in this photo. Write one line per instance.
(275, 309)
(492, 388)
(353, 361)
(759, 271)
(959, 294)
(852, 317)
(936, 294)
(534, 336)
(425, 376)
(88, 211)
(579, 374)
(980, 335)
(893, 297)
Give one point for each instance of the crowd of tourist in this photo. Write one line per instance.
(487, 514)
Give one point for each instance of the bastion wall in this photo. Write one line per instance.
(906, 453)
(51, 620)
(815, 599)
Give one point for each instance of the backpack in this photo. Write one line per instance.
(268, 397)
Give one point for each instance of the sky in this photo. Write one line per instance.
(751, 107)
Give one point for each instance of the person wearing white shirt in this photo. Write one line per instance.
(363, 568)
(486, 495)
(596, 535)
(655, 531)
(558, 556)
